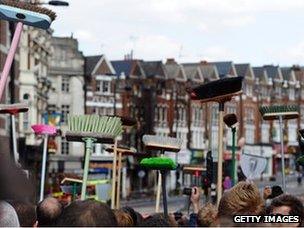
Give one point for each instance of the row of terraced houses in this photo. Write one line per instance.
(55, 77)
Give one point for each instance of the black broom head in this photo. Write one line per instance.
(219, 90)
(301, 132)
(230, 120)
(126, 121)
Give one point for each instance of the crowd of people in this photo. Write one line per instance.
(17, 210)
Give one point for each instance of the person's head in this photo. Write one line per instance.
(137, 217)
(157, 220)
(87, 213)
(243, 199)
(287, 205)
(8, 215)
(48, 211)
(275, 191)
(207, 215)
(26, 213)
(123, 218)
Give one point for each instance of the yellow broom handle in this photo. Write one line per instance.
(114, 176)
(220, 154)
(118, 180)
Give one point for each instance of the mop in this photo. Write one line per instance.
(24, 14)
(44, 130)
(92, 129)
(14, 109)
(162, 144)
(220, 91)
(280, 112)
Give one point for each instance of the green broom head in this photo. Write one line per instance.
(94, 126)
(274, 111)
(162, 143)
(300, 160)
(158, 163)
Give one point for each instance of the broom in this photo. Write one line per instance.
(14, 109)
(154, 142)
(220, 91)
(24, 14)
(231, 121)
(122, 151)
(127, 122)
(93, 129)
(163, 164)
(45, 130)
(280, 112)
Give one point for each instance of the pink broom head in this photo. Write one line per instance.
(43, 129)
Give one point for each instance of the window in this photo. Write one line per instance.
(264, 92)
(103, 87)
(265, 133)
(249, 112)
(65, 110)
(249, 90)
(26, 122)
(278, 91)
(64, 146)
(65, 84)
(291, 93)
(249, 133)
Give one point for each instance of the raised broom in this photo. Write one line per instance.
(162, 144)
(92, 129)
(220, 91)
(280, 112)
(163, 164)
(23, 13)
(231, 122)
(14, 109)
(44, 130)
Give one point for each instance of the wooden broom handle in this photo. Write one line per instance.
(220, 153)
(118, 180)
(114, 175)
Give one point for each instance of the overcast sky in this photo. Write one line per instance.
(255, 31)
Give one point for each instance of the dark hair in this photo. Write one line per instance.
(295, 205)
(26, 213)
(157, 220)
(137, 218)
(275, 191)
(48, 211)
(87, 213)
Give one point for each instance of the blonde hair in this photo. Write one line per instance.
(123, 218)
(243, 199)
(207, 215)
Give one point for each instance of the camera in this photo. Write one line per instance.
(188, 191)
(177, 215)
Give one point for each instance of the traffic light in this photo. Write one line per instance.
(209, 168)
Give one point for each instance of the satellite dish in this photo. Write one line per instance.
(252, 166)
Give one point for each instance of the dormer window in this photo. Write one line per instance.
(103, 87)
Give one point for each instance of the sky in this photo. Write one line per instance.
(254, 31)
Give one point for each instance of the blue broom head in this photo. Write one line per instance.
(26, 13)
(217, 90)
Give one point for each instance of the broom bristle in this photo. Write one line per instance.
(219, 88)
(162, 142)
(159, 163)
(274, 111)
(230, 119)
(29, 7)
(300, 160)
(95, 124)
